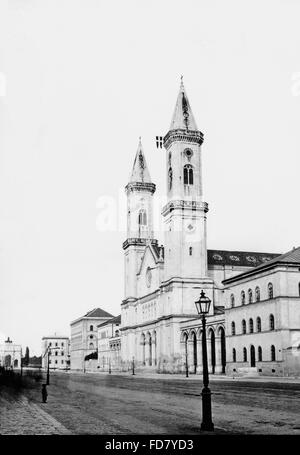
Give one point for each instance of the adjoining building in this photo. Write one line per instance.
(56, 348)
(263, 317)
(10, 354)
(84, 338)
(109, 345)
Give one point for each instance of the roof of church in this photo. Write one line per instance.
(292, 257)
(98, 313)
(115, 320)
(140, 172)
(183, 117)
(239, 258)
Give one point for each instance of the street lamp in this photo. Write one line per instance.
(202, 306)
(48, 367)
(133, 366)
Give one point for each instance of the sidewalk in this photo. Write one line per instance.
(18, 416)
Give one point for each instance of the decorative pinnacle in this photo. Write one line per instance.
(181, 83)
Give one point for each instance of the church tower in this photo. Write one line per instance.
(185, 211)
(139, 192)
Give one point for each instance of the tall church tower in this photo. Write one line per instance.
(185, 212)
(139, 192)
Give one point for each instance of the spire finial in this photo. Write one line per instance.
(181, 82)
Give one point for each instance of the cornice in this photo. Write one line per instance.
(138, 242)
(184, 205)
(140, 186)
(182, 135)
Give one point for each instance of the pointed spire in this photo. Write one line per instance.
(140, 172)
(183, 117)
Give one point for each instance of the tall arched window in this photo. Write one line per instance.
(270, 291)
(272, 322)
(251, 325)
(91, 328)
(250, 296)
(257, 294)
(91, 345)
(273, 355)
(233, 328)
(188, 175)
(258, 324)
(142, 217)
(259, 353)
(170, 178)
(245, 354)
(244, 328)
(232, 300)
(233, 355)
(190, 250)
(243, 297)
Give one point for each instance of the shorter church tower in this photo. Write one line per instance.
(139, 192)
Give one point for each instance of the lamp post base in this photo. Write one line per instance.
(207, 423)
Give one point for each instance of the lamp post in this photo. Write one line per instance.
(48, 367)
(202, 306)
(186, 360)
(109, 366)
(133, 366)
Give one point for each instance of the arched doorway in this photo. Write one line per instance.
(7, 361)
(143, 343)
(212, 350)
(223, 349)
(150, 350)
(252, 356)
(16, 363)
(194, 338)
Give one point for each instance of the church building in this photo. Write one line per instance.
(160, 328)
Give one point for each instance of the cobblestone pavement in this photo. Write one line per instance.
(19, 416)
(126, 404)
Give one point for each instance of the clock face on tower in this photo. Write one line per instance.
(148, 277)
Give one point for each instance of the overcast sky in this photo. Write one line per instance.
(80, 81)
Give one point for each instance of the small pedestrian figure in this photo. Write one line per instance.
(44, 393)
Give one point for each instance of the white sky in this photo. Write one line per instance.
(85, 79)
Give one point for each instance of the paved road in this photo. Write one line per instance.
(115, 404)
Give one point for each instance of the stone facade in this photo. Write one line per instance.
(84, 337)
(59, 352)
(10, 354)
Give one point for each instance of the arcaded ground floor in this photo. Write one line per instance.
(90, 403)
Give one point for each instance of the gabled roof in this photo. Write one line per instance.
(98, 313)
(140, 172)
(292, 257)
(183, 117)
(238, 258)
(115, 320)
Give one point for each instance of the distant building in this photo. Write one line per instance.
(84, 339)
(59, 352)
(109, 344)
(10, 354)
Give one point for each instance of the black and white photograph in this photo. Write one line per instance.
(149, 221)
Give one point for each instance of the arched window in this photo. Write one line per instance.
(232, 300)
(91, 337)
(258, 324)
(191, 250)
(244, 354)
(257, 294)
(142, 217)
(251, 325)
(170, 178)
(273, 355)
(117, 333)
(270, 291)
(91, 328)
(272, 322)
(91, 345)
(250, 296)
(243, 297)
(233, 355)
(188, 175)
(259, 353)
(244, 328)
(233, 328)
